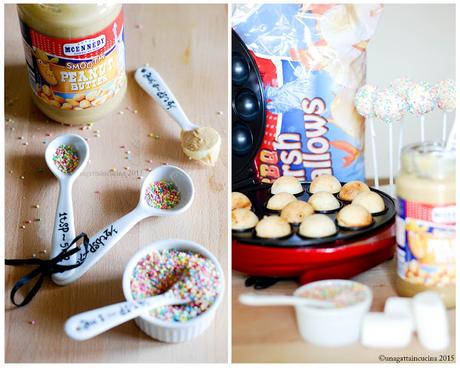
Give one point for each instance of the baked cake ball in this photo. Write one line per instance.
(243, 219)
(325, 183)
(239, 200)
(273, 227)
(296, 211)
(287, 184)
(324, 201)
(280, 200)
(351, 189)
(354, 215)
(317, 226)
(371, 201)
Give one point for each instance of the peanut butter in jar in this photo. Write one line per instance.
(75, 57)
(426, 221)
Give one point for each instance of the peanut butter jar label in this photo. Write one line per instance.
(77, 73)
(425, 236)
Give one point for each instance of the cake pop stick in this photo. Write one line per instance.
(390, 156)
(364, 101)
(400, 142)
(445, 99)
(422, 129)
(389, 107)
(452, 140)
(444, 125)
(401, 86)
(420, 101)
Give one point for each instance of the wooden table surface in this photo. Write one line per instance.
(270, 334)
(187, 44)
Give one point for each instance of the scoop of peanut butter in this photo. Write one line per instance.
(202, 144)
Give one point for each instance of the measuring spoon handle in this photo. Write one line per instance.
(265, 300)
(64, 227)
(101, 243)
(153, 84)
(88, 324)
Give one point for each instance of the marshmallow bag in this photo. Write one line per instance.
(311, 59)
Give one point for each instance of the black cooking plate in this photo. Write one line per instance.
(248, 112)
(259, 196)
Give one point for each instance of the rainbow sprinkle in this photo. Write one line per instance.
(66, 159)
(339, 294)
(162, 194)
(186, 274)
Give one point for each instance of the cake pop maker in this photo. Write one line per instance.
(344, 255)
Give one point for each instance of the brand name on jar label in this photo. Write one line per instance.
(85, 46)
(444, 215)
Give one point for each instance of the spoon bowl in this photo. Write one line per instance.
(80, 146)
(183, 183)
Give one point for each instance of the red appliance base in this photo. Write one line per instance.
(311, 264)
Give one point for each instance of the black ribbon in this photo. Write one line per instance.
(46, 268)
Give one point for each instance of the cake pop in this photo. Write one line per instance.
(364, 103)
(402, 85)
(364, 100)
(421, 100)
(445, 99)
(389, 107)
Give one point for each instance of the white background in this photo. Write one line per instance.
(417, 41)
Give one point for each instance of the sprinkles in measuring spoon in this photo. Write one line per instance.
(195, 278)
(66, 159)
(162, 194)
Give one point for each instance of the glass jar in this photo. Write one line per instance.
(75, 57)
(425, 222)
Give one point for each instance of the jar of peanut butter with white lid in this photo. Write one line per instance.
(75, 57)
(426, 221)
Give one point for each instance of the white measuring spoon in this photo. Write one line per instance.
(198, 143)
(105, 239)
(266, 300)
(64, 228)
(89, 324)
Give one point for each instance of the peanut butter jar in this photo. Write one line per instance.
(426, 221)
(75, 56)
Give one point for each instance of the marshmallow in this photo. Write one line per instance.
(431, 320)
(380, 330)
(396, 306)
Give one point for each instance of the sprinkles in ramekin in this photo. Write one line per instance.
(66, 159)
(162, 194)
(342, 295)
(194, 277)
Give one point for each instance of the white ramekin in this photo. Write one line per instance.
(335, 326)
(173, 332)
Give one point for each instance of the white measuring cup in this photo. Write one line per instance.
(64, 228)
(89, 324)
(105, 239)
(152, 83)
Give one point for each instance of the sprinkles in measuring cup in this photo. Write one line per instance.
(342, 295)
(195, 278)
(162, 194)
(66, 159)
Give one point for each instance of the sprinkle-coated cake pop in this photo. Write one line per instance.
(364, 100)
(388, 106)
